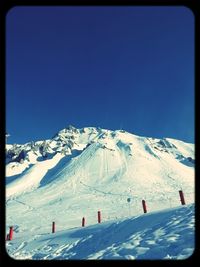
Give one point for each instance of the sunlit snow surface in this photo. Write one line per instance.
(168, 234)
(76, 183)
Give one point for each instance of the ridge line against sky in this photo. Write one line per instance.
(109, 67)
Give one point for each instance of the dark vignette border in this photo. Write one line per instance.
(5, 6)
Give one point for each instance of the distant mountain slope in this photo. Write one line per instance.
(79, 171)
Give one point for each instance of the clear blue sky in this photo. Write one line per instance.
(109, 67)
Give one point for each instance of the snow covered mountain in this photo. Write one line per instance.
(81, 171)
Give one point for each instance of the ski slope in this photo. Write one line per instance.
(90, 169)
(167, 234)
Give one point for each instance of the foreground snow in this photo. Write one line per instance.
(166, 234)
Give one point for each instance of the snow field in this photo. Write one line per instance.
(166, 234)
(101, 171)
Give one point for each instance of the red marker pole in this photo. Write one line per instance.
(10, 237)
(144, 206)
(53, 227)
(83, 221)
(99, 217)
(182, 197)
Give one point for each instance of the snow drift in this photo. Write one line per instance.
(168, 234)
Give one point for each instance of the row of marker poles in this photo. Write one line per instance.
(83, 222)
(98, 218)
(10, 235)
(182, 199)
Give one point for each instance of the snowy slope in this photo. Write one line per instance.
(168, 234)
(81, 171)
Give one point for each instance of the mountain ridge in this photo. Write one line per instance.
(110, 163)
